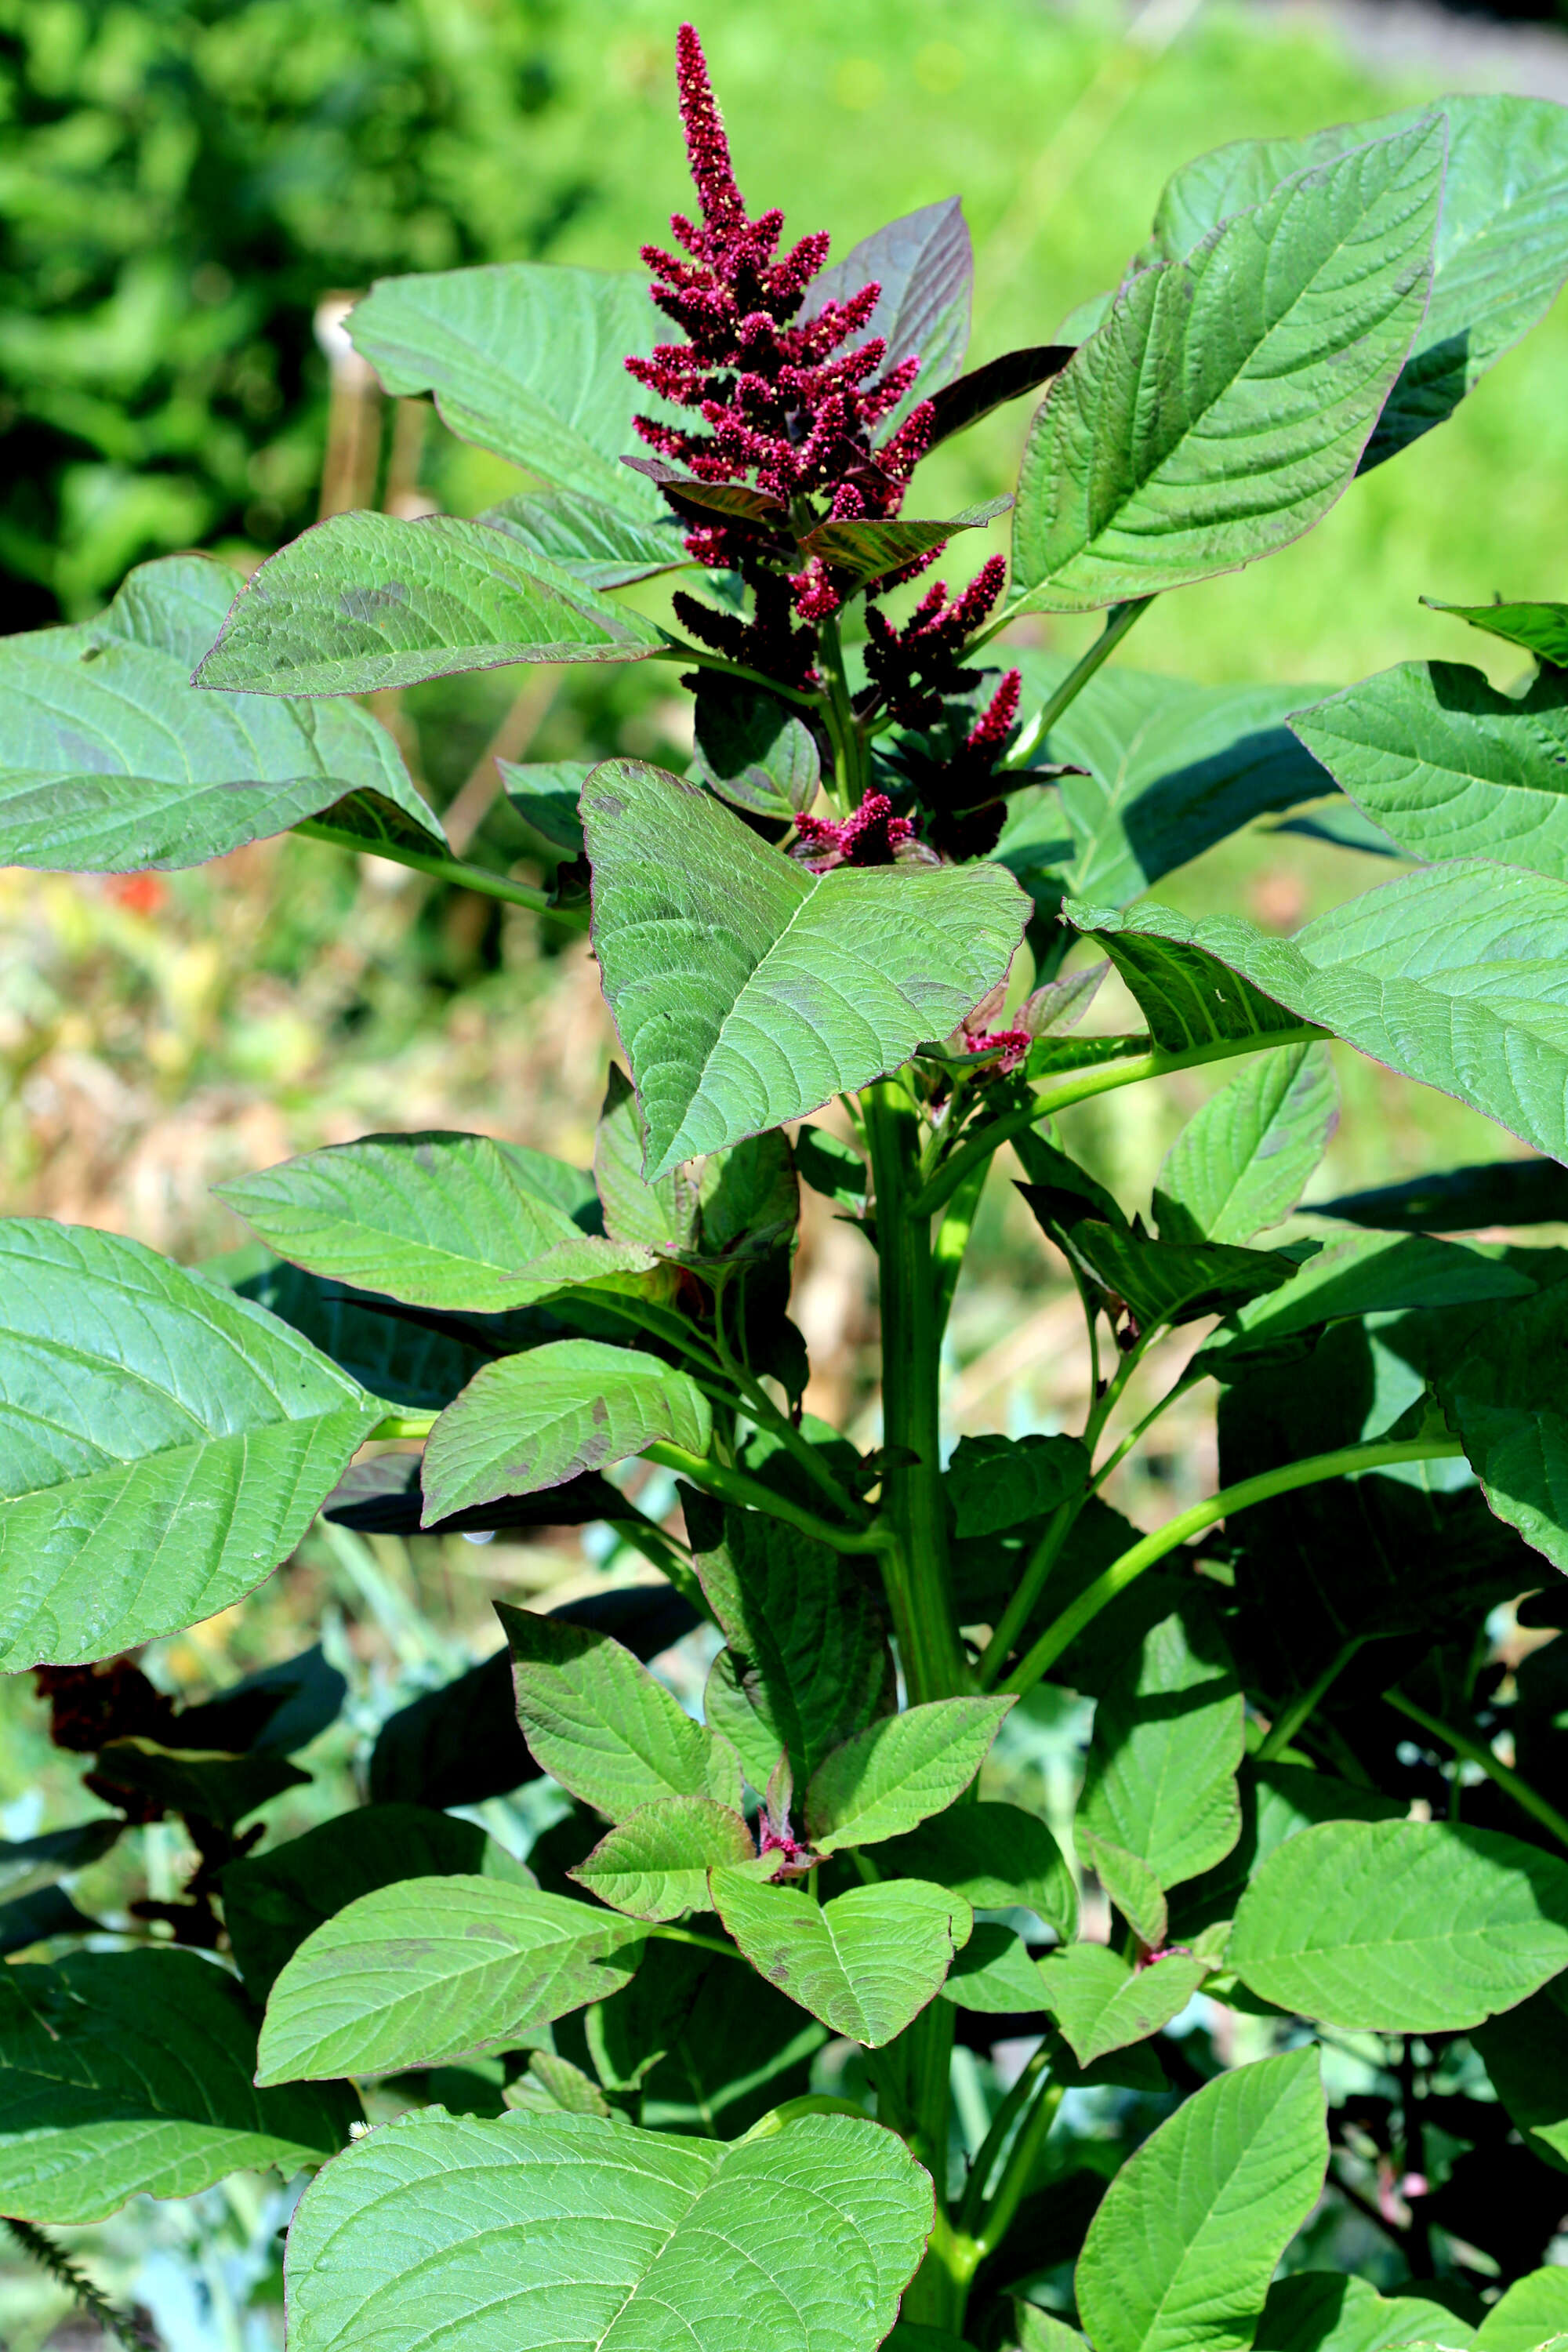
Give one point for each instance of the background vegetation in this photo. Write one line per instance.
(181, 185)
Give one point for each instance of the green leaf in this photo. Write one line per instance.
(536, 1420)
(1280, 339)
(654, 1863)
(993, 1974)
(390, 1356)
(562, 2233)
(808, 1646)
(527, 359)
(1449, 767)
(1452, 976)
(1325, 2310)
(830, 1167)
(428, 1969)
(127, 2073)
(1506, 1400)
(865, 1964)
(460, 1222)
(1168, 1737)
(545, 792)
(661, 1215)
(897, 1772)
(1461, 1200)
(221, 1788)
(164, 1445)
(1173, 768)
(1525, 2052)
(865, 550)
(752, 750)
(1435, 1926)
(997, 1857)
(1180, 2253)
(1101, 2004)
(599, 1722)
(1501, 252)
(28, 1865)
(995, 1482)
(1242, 1162)
(749, 1197)
(1157, 1281)
(1277, 1801)
(1129, 1882)
(1041, 2331)
(1530, 2312)
(364, 602)
(272, 1901)
(747, 991)
(600, 544)
(732, 2045)
(1540, 629)
(38, 1919)
(1367, 1274)
(925, 267)
(112, 763)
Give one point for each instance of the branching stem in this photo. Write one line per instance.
(447, 869)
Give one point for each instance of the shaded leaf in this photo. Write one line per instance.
(28, 1865)
(1130, 1883)
(1180, 2253)
(129, 2072)
(1525, 2052)
(1415, 1927)
(544, 793)
(1281, 337)
(1101, 2004)
(36, 1918)
(393, 1355)
(994, 1481)
(164, 1443)
(733, 2045)
(993, 1974)
(897, 1772)
(865, 1964)
(980, 390)
(1539, 629)
(1277, 1801)
(1367, 1274)
(750, 1198)
(1156, 1281)
(561, 2229)
(1460, 1200)
(747, 991)
(654, 1863)
(364, 602)
(1168, 1738)
(830, 1167)
(428, 1969)
(1242, 1162)
(536, 1420)
(1505, 1399)
(661, 1215)
(385, 1497)
(752, 750)
(1325, 2310)
(599, 1722)
(222, 1788)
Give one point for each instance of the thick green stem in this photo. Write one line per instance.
(973, 2209)
(1098, 1080)
(915, 1567)
(951, 1241)
(1529, 1800)
(447, 869)
(935, 2299)
(1121, 1572)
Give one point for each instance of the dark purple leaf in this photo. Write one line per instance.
(732, 499)
(924, 264)
(960, 405)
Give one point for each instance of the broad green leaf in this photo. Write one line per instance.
(993, 1974)
(1279, 339)
(925, 267)
(1277, 1801)
(654, 1863)
(460, 1223)
(1362, 1923)
(995, 1482)
(113, 763)
(536, 1420)
(28, 1865)
(1447, 766)
(864, 1963)
(1525, 2052)
(527, 359)
(1168, 1737)
(1456, 975)
(1180, 2254)
(899, 1771)
(427, 1969)
(164, 1444)
(599, 1722)
(126, 2074)
(752, 750)
(1041, 2331)
(809, 1645)
(1242, 1162)
(602, 545)
(867, 549)
(1101, 2004)
(554, 2087)
(1325, 2310)
(1368, 1273)
(1460, 1200)
(1540, 629)
(1530, 2312)
(568, 2233)
(1506, 1399)
(748, 1197)
(747, 991)
(272, 1901)
(220, 1789)
(1172, 769)
(661, 1215)
(389, 1355)
(1129, 1882)
(544, 793)
(1502, 251)
(365, 601)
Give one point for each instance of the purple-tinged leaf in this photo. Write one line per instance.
(867, 549)
(963, 403)
(924, 264)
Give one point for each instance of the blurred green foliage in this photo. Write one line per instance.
(182, 181)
